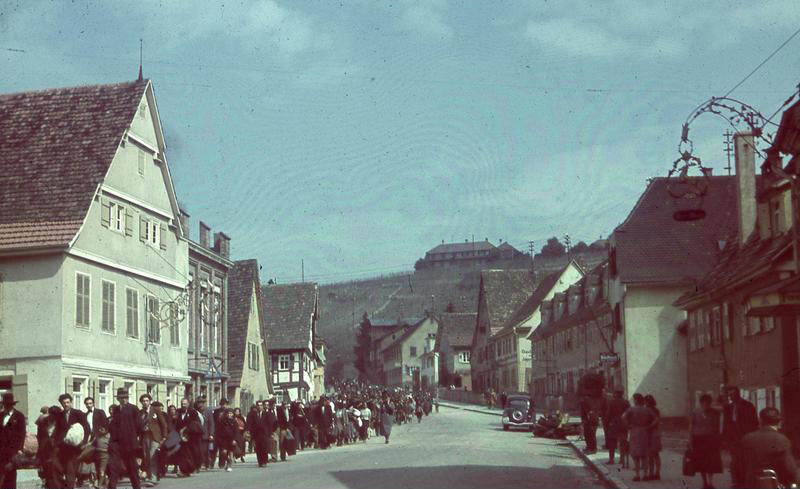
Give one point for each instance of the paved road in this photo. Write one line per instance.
(454, 448)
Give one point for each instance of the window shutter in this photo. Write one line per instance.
(128, 222)
(162, 234)
(105, 213)
(142, 229)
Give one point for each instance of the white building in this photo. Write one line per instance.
(93, 259)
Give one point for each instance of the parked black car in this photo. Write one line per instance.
(518, 413)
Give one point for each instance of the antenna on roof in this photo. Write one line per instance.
(140, 59)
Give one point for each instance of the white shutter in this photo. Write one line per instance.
(128, 222)
(142, 229)
(162, 236)
(105, 213)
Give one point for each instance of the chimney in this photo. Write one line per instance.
(204, 232)
(222, 244)
(185, 223)
(745, 184)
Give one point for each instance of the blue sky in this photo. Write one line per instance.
(354, 135)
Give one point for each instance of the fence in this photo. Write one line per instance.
(458, 395)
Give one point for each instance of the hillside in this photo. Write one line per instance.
(408, 295)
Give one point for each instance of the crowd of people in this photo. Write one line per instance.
(144, 443)
(726, 423)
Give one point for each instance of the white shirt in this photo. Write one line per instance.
(7, 416)
(90, 419)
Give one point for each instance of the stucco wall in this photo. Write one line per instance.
(655, 353)
(254, 381)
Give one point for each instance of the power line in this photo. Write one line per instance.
(763, 62)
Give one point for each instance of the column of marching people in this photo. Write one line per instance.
(88, 447)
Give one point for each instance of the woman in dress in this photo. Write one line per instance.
(241, 425)
(653, 469)
(638, 418)
(386, 417)
(706, 441)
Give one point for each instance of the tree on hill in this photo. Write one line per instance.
(361, 349)
(553, 247)
(581, 247)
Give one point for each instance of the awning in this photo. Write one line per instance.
(774, 311)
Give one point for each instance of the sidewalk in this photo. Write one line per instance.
(671, 469)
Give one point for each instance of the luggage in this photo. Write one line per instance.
(290, 444)
(74, 436)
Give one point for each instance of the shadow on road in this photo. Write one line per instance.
(460, 477)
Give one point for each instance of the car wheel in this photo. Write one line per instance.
(517, 416)
(505, 427)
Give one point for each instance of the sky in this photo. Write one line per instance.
(352, 136)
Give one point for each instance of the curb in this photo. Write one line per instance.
(605, 475)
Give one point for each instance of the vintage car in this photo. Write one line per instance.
(518, 413)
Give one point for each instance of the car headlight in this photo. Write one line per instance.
(505, 419)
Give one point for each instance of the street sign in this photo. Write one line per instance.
(609, 359)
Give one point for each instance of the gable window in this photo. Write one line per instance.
(132, 313)
(153, 326)
(152, 232)
(252, 356)
(109, 307)
(413, 351)
(82, 299)
(283, 362)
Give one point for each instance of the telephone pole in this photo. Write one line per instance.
(530, 249)
(728, 148)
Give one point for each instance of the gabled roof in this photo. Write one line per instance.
(243, 282)
(586, 311)
(56, 147)
(288, 311)
(651, 246)
(504, 291)
(406, 334)
(535, 300)
(457, 328)
(461, 247)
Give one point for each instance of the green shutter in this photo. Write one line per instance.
(128, 222)
(105, 213)
(142, 229)
(162, 236)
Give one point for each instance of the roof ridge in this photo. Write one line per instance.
(42, 91)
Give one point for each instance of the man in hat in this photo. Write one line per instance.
(207, 418)
(126, 434)
(190, 424)
(154, 426)
(768, 449)
(218, 414)
(68, 453)
(12, 438)
(259, 432)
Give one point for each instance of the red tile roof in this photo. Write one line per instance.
(456, 328)
(55, 149)
(461, 247)
(651, 246)
(243, 281)
(288, 311)
(505, 291)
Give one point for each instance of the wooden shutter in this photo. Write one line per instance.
(128, 222)
(105, 213)
(162, 235)
(142, 229)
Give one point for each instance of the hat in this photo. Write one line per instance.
(8, 398)
(122, 392)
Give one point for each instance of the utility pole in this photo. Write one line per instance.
(302, 270)
(728, 148)
(567, 243)
(530, 249)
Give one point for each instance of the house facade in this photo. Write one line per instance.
(318, 375)
(292, 312)
(382, 333)
(93, 259)
(654, 259)
(743, 325)
(402, 357)
(454, 347)
(209, 265)
(500, 294)
(575, 336)
(248, 362)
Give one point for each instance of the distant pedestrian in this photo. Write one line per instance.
(638, 419)
(739, 418)
(386, 415)
(654, 441)
(616, 430)
(706, 441)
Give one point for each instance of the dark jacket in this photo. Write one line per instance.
(99, 420)
(746, 420)
(126, 428)
(766, 448)
(189, 418)
(208, 423)
(260, 424)
(227, 431)
(63, 424)
(12, 436)
(154, 424)
(283, 417)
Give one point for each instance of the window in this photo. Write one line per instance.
(79, 387)
(153, 326)
(252, 356)
(152, 232)
(109, 307)
(716, 326)
(216, 305)
(463, 356)
(413, 351)
(192, 315)
(104, 393)
(130, 388)
(82, 296)
(142, 158)
(726, 326)
(283, 362)
(767, 324)
(174, 326)
(132, 313)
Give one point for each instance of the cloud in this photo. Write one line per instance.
(426, 17)
(590, 39)
(290, 31)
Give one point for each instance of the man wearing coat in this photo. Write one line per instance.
(97, 420)
(12, 438)
(260, 432)
(68, 454)
(283, 427)
(768, 449)
(739, 418)
(154, 426)
(207, 418)
(191, 424)
(126, 434)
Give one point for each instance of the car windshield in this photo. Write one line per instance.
(520, 404)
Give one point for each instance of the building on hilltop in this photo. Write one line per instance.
(292, 312)
(469, 254)
(248, 362)
(93, 257)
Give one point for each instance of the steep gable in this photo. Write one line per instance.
(244, 293)
(289, 312)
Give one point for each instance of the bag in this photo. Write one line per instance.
(688, 464)
(74, 436)
(290, 445)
